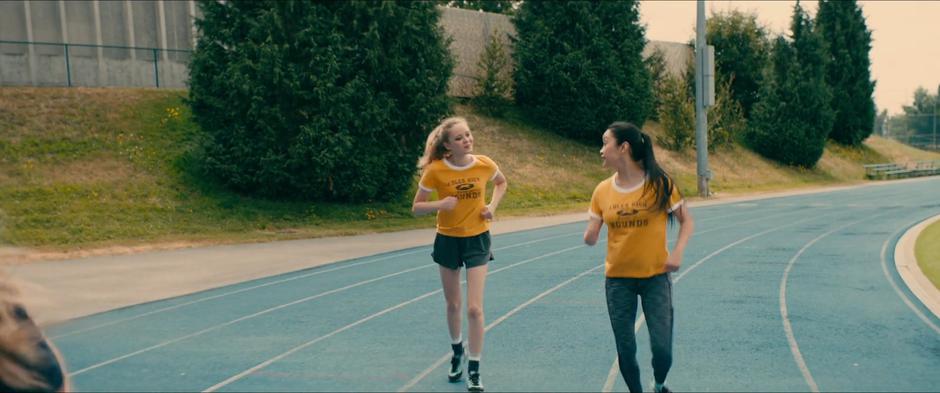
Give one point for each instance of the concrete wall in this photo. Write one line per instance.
(471, 31)
(163, 24)
(169, 24)
(677, 55)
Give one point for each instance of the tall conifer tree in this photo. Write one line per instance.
(792, 120)
(579, 65)
(848, 43)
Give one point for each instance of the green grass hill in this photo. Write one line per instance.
(85, 171)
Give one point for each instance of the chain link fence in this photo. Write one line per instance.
(918, 130)
(57, 64)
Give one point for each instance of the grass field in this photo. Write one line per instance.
(114, 169)
(927, 250)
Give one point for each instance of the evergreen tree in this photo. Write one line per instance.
(742, 51)
(494, 88)
(656, 67)
(323, 101)
(579, 65)
(848, 39)
(921, 114)
(792, 119)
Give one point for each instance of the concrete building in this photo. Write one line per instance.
(97, 36)
(96, 43)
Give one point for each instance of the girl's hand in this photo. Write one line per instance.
(486, 213)
(448, 203)
(673, 263)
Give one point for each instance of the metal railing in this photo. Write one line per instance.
(67, 48)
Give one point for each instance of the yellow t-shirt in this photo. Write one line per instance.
(468, 184)
(636, 230)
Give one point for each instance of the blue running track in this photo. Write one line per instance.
(784, 294)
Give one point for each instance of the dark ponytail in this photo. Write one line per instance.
(641, 149)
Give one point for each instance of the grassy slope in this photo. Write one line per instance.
(927, 250)
(99, 168)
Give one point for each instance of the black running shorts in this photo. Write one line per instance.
(456, 252)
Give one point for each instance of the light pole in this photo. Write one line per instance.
(935, 122)
(703, 98)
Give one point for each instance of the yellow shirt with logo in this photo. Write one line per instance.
(468, 185)
(636, 229)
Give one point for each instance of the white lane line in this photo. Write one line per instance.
(615, 367)
(318, 272)
(784, 311)
(221, 295)
(314, 273)
(639, 322)
(443, 359)
(787, 327)
(272, 309)
(314, 341)
(212, 328)
(884, 269)
(905, 263)
(363, 320)
(234, 321)
(609, 384)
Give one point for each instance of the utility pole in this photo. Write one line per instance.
(935, 122)
(704, 97)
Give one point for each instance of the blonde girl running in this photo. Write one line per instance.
(463, 238)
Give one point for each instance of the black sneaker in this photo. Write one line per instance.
(455, 372)
(663, 389)
(474, 384)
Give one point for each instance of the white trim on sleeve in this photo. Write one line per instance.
(676, 206)
(494, 174)
(423, 188)
(594, 216)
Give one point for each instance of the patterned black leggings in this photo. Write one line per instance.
(656, 294)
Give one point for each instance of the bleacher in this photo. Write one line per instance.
(900, 171)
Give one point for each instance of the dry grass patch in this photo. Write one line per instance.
(533, 158)
(62, 112)
(83, 171)
(840, 167)
(894, 151)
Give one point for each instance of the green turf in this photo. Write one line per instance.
(927, 250)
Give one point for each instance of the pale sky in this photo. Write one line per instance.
(905, 50)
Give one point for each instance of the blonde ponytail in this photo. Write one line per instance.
(434, 148)
(21, 349)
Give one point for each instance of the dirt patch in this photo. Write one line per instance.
(65, 112)
(85, 171)
(100, 169)
(10, 256)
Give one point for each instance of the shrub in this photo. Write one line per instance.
(676, 114)
(322, 101)
(726, 123)
(494, 89)
(579, 66)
